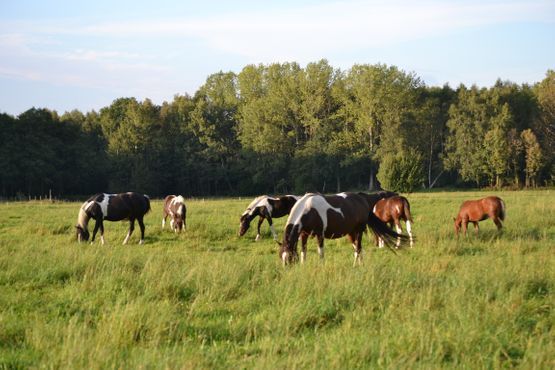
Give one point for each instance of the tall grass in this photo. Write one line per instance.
(209, 299)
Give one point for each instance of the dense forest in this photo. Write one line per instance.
(282, 128)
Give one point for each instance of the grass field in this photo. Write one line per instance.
(209, 299)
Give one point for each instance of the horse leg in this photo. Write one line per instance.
(497, 223)
(465, 226)
(96, 226)
(164, 219)
(272, 227)
(260, 221)
(399, 231)
(142, 227)
(321, 246)
(409, 231)
(131, 228)
(102, 232)
(357, 245)
(304, 239)
(172, 224)
(476, 227)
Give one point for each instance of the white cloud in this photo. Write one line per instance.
(309, 32)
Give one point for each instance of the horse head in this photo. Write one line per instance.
(82, 233)
(244, 223)
(288, 248)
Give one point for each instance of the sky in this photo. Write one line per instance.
(67, 54)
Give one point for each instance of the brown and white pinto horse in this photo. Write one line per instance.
(392, 211)
(478, 210)
(266, 208)
(112, 207)
(330, 217)
(174, 206)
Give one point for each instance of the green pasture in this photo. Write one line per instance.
(209, 299)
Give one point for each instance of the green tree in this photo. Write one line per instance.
(533, 156)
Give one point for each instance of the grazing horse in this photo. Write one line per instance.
(174, 206)
(330, 217)
(391, 211)
(266, 208)
(479, 210)
(112, 207)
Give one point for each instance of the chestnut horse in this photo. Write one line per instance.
(330, 217)
(478, 210)
(392, 211)
(112, 207)
(174, 206)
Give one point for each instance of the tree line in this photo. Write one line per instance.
(281, 128)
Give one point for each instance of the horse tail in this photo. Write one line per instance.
(406, 209)
(503, 210)
(380, 229)
(147, 200)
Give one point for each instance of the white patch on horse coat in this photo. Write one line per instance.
(104, 205)
(342, 195)
(261, 201)
(308, 202)
(398, 208)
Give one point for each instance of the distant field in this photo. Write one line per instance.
(209, 299)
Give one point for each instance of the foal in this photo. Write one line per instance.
(174, 206)
(478, 210)
(393, 210)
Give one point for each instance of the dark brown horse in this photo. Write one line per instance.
(330, 217)
(112, 207)
(174, 206)
(392, 211)
(478, 210)
(266, 208)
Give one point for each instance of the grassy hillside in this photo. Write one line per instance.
(209, 299)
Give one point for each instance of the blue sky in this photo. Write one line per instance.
(66, 55)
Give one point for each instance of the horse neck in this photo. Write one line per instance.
(83, 219)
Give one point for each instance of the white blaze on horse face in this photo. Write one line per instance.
(284, 256)
(104, 204)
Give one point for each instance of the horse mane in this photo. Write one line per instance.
(83, 218)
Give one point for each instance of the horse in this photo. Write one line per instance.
(112, 207)
(331, 217)
(266, 208)
(174, 206)
(391, 211)
(478, 210)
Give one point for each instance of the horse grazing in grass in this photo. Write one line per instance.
(174, 206)
(392, 211)
(330, 217)
(266, 208)
(112, 207)
(478, 210)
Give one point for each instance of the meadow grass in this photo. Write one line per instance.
(209, 299)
